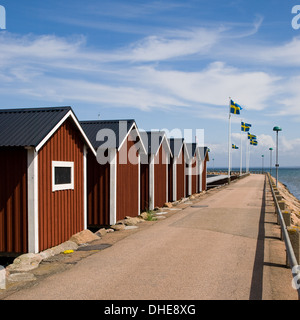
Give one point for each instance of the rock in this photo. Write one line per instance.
(21, 277)
(129, 221)
(144, 215)
(68, 245)
(192, 197)
(110, 230)
(118, 227)
(47, 254)
(25, 262)
(168, 205)
(84, 237)
(101, 232)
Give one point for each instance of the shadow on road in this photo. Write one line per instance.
(256, 290)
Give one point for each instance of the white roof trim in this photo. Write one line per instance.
(133, 125)
(168, 145)
(49, 135)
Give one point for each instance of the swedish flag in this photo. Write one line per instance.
(234, 146)
(234, 107)
(251, 136)
(253, 142)
(245, 127)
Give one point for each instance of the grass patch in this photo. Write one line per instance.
(151, 215)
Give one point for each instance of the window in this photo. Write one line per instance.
(62, 175)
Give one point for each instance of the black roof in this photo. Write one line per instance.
(191, 147)
(120, 129)
(203, 152)
(29, 126)
(176, 145)
(153, 139)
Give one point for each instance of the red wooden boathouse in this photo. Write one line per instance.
(43, 180)
(113, 189)
(177, 169)
(154, 169)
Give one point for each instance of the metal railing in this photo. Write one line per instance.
(291, 258)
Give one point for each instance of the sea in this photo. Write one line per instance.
(289, 176)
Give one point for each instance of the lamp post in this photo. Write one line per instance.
(271, 149)
(262, 163)
(277, 129)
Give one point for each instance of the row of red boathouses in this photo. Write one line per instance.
(60, 175)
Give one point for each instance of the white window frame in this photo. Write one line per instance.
(67, 186)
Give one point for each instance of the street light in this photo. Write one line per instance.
(262, 163)
(277, 129)
(271, 149)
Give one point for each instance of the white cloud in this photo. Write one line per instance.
(213, 85)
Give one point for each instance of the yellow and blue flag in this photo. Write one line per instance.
(234, 146)
(253, 142)
(251, 136)
(234, 107)
(245, 127)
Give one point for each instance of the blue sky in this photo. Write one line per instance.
(167, 64)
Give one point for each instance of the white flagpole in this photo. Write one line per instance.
(249, 157)
(229, 142)
(241, 162)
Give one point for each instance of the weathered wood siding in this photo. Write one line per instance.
(61, 213)
(98, 192)
(13, 200)
(180, 176)
(194, 176)
(144, 186)
(127, 180)
(170, 180)
(160, 178)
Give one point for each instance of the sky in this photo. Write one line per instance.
(170, 65)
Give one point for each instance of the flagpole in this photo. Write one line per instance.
(241, 162)
(247, 157)
(229, 142)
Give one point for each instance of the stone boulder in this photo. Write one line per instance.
(130, 221)
(101, 232)
(144, 215)
(118, 227)
(25, 262)
(84, 236)
(168, 205)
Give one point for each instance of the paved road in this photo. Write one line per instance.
(226, 248)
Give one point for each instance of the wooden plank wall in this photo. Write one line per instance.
(13, 200)
(60, 212)
(98, 192)
(144, 184)
(127, 180)
(160, 178)
(180, 176)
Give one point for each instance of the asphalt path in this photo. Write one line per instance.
(226, 246)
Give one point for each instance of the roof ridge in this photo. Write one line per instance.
(102, 121)
(41, 109)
